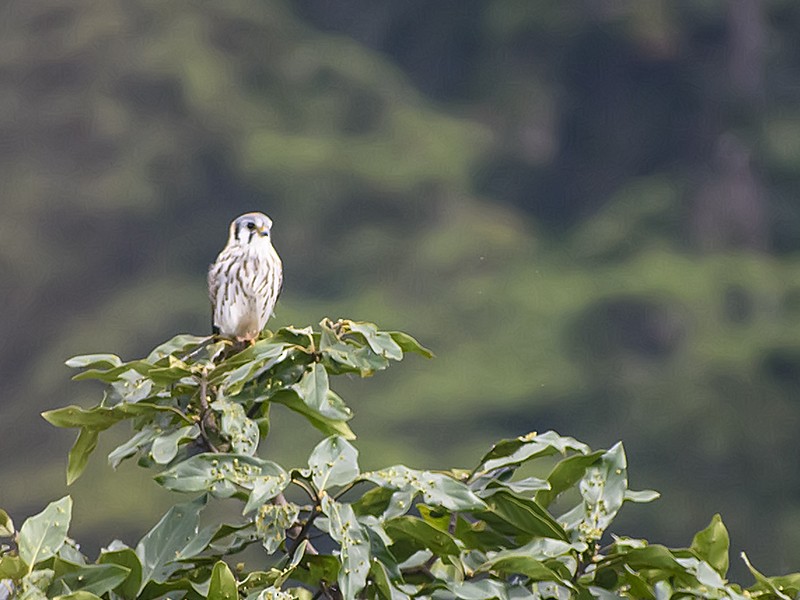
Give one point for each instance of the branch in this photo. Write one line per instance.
(302, 534)
(206, 416)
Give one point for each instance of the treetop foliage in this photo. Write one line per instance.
(532, 519)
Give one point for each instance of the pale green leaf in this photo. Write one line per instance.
(158, 549)
(409, 344)
(565, 475)
(236, 427)
(528, 447)
(522, 517)
(712, 545)
(354, 552)
(100, 417)
(97, 579)
(225, 474)
(313, 389)
(223, 584)
(79, 454)
(291, 400)
(42, 535)
(6, 524)
(165, 446)
(641, 496)
(437, 489)
(422, 535)
(78, 595)
(380, 342)
(333, 462)
(97, 361)
(272, 521)
(125, 557)
(139, 440)
(181, 343)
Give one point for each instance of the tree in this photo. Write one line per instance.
(531, 520)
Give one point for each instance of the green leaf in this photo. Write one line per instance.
(409, 344)
(223, 583)
(80, 452)
(441, 519)
(530, 559)
(163, 376)
(42, 535)
(264, 357)
(132, 446)
(272, 521)
(126, 374)
(174, 588)
(421, 535)
(236, 427)
(519, 450)
(12, 567)
(381, 342)
(224, 474)
(6, 524)
(35, 584)
(521, 516)
(265, 488)
(291, 400)
(165, 446)
(603, 489)
(788, 585)
(257, 581)
(158, 549)
(654, 556)
(437, 489)
(79, 595)
(97, 579)
(383, 585)
(317, 567)
(100, 417)
(275, 593)
(354, 552)
(125, 557)
(181, 343)
(566, 474)
(485, 589)
(712, 545)
(479, 535)
(641, 496)
(510, 563)
(313, 389)
(98, 361)
(71, 552)
(333, 462)
(349, 355)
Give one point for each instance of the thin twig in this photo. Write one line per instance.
(309, 491)
(346, 489)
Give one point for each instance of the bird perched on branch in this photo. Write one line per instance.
(245, 280)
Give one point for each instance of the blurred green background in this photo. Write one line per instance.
(588, 209)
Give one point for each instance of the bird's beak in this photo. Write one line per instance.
(263, 231)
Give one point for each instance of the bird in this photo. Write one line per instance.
(245, 280)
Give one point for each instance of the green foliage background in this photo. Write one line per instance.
(587, 210)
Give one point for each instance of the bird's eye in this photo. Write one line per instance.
(251, 225)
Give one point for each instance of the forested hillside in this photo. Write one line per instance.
(587, 209)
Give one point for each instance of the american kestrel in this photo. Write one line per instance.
(245, 280)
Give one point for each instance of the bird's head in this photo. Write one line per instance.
(249, 227)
